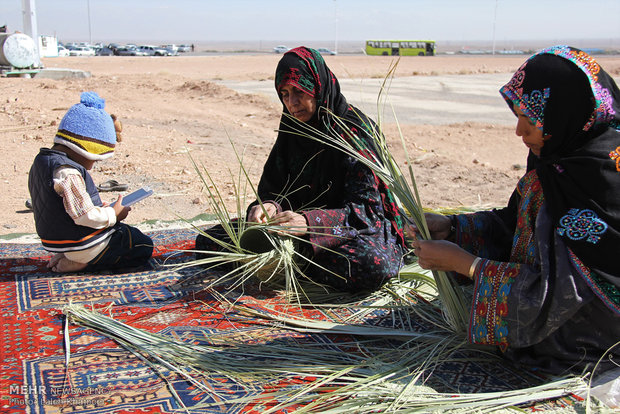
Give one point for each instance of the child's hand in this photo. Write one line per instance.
(120, 210)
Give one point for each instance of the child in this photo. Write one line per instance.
(69, 216)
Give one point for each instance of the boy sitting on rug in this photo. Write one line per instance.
(69, 216)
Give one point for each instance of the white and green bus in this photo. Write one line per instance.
(400, 47)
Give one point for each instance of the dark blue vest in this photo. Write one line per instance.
(57, 230)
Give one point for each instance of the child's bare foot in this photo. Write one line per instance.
(54, 260)
(65, 265)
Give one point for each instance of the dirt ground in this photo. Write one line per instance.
(173, 107)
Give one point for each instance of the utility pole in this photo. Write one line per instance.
(336, 26)
(29, 11)
(90, 34)
(494, 21)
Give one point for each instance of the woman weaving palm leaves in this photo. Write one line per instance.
(545, 268)
(311, 190)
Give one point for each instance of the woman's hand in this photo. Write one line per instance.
(291, 222)
(438, 225)
(442, 255)
(258, 215)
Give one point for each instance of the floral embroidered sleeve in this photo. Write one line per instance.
(520, 304)
(483, 234)
(522, 299)
(362, 212)
(488, 324)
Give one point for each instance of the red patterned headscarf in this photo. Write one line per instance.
(305, 69)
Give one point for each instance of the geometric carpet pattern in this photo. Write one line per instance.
(102, 377)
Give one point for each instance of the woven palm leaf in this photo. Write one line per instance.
(253, 250)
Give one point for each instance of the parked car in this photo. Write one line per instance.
(325, 51)
(63, 51)
(105, 51)
(281, 49)
(114, 46)
(81, 51)
(184, 48)
(129, 51)
(171, 50)
(153, 50)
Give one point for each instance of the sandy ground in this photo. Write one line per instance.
(173, 108)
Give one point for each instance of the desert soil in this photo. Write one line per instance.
(173, 110)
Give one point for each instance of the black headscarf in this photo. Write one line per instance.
(567, 95)
(302, 173)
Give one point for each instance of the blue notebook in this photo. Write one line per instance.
(138, 195)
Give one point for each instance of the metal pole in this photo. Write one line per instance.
(494, 21)
(90, 35)
(29, 9)
(336, 26)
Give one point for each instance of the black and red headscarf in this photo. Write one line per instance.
(567, 95)
(305, 69)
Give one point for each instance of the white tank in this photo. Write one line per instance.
(17, 50)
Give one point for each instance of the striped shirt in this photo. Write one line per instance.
(69, 184)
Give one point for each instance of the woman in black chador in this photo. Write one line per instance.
(343, 210)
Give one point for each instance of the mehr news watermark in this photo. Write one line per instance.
(33, 395)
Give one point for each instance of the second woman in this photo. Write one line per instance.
(313, 191)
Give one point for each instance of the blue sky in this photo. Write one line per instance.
(345, 20)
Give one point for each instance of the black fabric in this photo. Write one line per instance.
(567, 95)
(293, 184)
(354, 238)
(128, 247)
(57, 230)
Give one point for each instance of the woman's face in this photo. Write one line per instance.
(532, 137)
(299, 104)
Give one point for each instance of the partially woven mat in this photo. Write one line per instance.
(103, 377)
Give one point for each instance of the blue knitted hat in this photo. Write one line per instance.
(87, 129)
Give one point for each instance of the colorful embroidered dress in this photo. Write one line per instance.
(547, 291)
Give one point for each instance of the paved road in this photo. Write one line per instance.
(435, 100)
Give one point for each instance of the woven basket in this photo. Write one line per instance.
(258, 240)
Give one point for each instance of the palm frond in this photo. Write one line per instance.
(383, 378)
(251, 250)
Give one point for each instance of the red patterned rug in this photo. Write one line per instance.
(103, 377)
